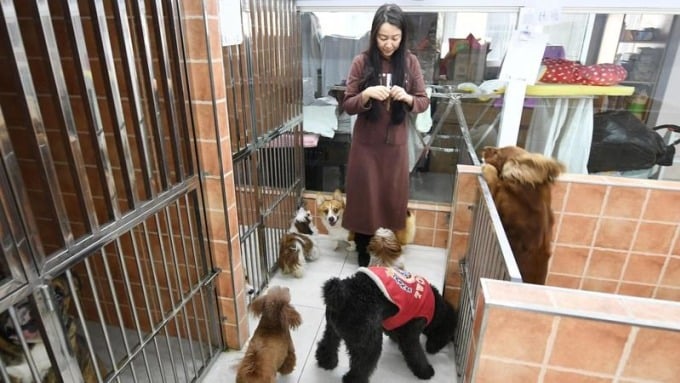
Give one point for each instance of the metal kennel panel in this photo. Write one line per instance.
(488, 256)
(105, 274)
(268, 189)
(264, 89)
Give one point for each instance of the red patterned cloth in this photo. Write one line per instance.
(603, 74)
(561, 71)
(411, 293)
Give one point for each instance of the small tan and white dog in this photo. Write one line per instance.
(303, 223)
(298, 245)
(331, 211)
(385, 249)
(295, 250)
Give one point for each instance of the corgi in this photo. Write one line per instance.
(331, 210)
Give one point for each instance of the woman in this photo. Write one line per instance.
(377, 184)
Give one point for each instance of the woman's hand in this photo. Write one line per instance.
(399, 94)
(378, 92)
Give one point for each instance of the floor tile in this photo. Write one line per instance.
(306, 297)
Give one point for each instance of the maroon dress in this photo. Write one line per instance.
(377, 185)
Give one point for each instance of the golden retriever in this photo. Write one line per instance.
(520, 183)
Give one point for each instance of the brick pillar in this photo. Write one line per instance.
(209, 105)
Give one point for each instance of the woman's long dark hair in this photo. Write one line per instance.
(392, 14)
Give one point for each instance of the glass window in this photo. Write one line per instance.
(644, 44)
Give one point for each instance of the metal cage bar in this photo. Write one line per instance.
(263, 79)
(114, 226)
(488, 256)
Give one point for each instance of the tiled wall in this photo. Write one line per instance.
(528, 333)
(215, 157)
(465, 195)
(612, 235)
(617, 235)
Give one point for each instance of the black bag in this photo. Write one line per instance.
(622, 142)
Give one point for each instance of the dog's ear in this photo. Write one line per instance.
(63, 292)
(319, 200)
(532, 168)
(489, 151)
(337, 194)
(290, 318)
(257, 305)
(334, 293)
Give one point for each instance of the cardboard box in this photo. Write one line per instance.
(467, 66)
(466, 60)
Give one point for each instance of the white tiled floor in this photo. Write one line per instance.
(306, 297)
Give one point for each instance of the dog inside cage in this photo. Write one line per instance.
(110, 326)
(108, 275)
(23, 347)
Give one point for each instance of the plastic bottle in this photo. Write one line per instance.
(638, 105)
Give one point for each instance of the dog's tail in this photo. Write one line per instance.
(250, 368)
(335, 295)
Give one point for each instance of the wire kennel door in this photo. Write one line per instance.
(488, 256)
(104, 249)
(263, 76)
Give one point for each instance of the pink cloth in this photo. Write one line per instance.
(309, 140)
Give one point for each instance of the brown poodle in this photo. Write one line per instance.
(520, 183)
(271, 346)
(385, 249)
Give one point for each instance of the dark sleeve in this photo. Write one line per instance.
(417, 86)
(352, 101)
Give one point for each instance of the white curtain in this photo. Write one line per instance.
(562, 128)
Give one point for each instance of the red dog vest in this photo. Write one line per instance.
(410, 293)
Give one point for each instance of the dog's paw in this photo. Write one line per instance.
(326, 359)
(288, 364)
(489, 172)
(313, 256)
(433, 345)
(351, 246)
(424, 372)
(353, 378)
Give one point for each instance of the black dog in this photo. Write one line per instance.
(358, 311)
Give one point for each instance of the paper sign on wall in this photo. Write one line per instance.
(230, 22)
(523, 58)
(539, 15)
